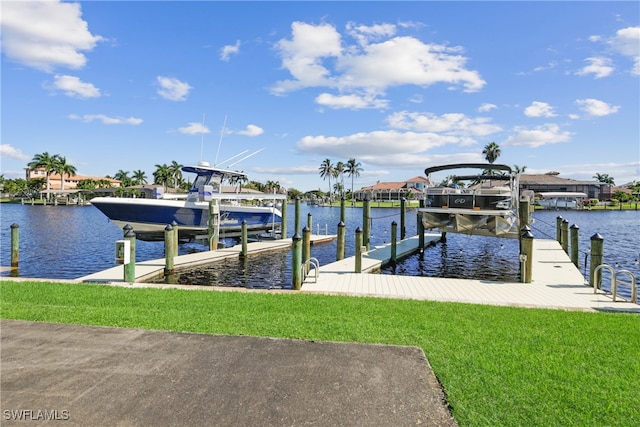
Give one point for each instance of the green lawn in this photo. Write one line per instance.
(498, 365)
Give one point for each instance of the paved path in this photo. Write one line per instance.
(93, 376)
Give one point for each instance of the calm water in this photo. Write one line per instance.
(68, 242)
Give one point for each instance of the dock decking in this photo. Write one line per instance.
(556, 283)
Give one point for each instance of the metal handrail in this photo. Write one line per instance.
(614, 282)
(305, 268)
(634, 289)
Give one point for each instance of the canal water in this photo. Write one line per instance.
(66, 242)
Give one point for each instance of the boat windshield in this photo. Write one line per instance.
(206, 179)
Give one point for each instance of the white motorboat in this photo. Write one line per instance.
(561, 200)
(190, 212)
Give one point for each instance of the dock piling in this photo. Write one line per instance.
(559, 229)
(306, 247)
(130, 268)
(597, 247)
(394, 238)
(214, 224)
(358, 260)
(366, 222)
(169, 252)
(15, 245)
(573, 231)
(526, 256)
(283, 224)
(403, 214)
(341, 241)
(296, 262)
(296, 227)
(565, 235)
(244, 237)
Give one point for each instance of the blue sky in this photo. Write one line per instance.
(399, 86)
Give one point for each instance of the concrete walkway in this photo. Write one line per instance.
(93, 376)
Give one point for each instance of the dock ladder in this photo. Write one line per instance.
(614, 282)
(305, 269)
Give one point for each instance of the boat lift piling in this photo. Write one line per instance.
(244, 251)
(283, 224)
(526, 255)
(597, 251)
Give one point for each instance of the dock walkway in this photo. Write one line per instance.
(557, 283)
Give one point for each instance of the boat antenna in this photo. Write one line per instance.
(246, 157)
(220, 142)
(202, 140)
(231, 158)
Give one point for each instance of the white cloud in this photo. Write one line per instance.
(73, 87)
(316, 56)
(228, 50)
(353, 101)
(448, 124)
(7, 150)
(194, 128)
(627, 43)
(598, 66)
(251, 130)
(539, 109)
(173, 89)
(486, 107)
(46, 34)
(595, 107)
(88, 118)
(541, 135)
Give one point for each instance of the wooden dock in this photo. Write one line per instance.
(557, 283)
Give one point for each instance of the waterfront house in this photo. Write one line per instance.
(411, 189)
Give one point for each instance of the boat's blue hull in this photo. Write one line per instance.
(149, 217)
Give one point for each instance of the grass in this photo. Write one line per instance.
(498, 365)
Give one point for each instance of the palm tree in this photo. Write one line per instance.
(353, 170)
(491, 152)
(162, 175)
(338, 172)
(175, 174)
(139, 177)
(63, 168)
(326, 171)
(517, 169)
(44, 161)
(605, 178)
(123, 177)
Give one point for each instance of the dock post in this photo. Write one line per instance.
(15, 245)
(524, 211)
(403, 214)
(343, 210)
(559, 229)
(296, 263)
(565, 236)
(176, 236)
(214, 224)
(130, 269)
(341, 241)
(526, 256)
(244, 238)
(310, 222)
(366, 222)
(573, 231)
(394, 237)
(283, 224)
(296, 226)
(597, 247)
(420, 227)
(358, 268)
(306, 247)
(169, 252)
